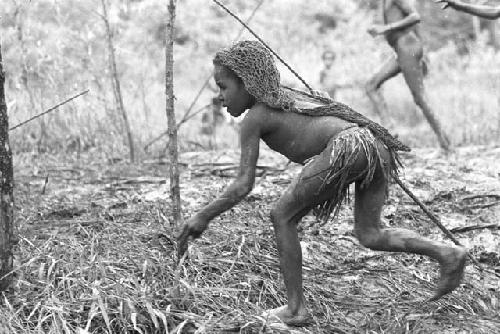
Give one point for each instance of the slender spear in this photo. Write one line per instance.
(49, 110)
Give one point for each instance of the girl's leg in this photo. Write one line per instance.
(368, 205)
(300, 197)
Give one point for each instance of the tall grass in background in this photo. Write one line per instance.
(66, 53)
(467, 93)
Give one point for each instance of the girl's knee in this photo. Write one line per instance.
(279, 217)
(287, 214)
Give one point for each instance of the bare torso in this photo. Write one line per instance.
(298, 137)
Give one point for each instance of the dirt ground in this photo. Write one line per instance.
(97, 251)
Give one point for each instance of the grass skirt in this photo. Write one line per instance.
(345, 150)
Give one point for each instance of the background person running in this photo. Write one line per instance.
(400, 29)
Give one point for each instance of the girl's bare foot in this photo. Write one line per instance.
(283, 314)
(451, 272)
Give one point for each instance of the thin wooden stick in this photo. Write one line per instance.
(182, 121)
(49, 110)
(434, 218)
(170, 112)
(184, 118)
(116, 82)
(265, 44)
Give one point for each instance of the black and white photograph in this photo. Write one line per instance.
(249, 166)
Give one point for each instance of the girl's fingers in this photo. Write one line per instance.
(182, 241)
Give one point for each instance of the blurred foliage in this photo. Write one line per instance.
(55, 48)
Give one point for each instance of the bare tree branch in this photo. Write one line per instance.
(116, 81)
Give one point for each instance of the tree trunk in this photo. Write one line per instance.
(6, 191)
(169, 108)
(116, 81)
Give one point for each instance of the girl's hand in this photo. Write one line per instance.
(194, 227)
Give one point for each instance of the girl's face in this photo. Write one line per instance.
(233, 94)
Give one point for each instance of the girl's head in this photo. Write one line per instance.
(253, 65)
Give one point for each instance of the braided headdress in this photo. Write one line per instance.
(254, 64)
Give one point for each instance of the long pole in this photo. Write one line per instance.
(49, 110)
